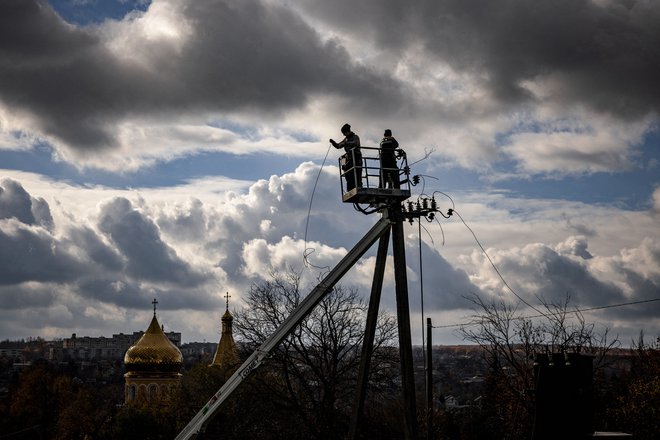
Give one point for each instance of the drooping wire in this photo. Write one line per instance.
(441, 230)
(430, 237)
(577, 310)
(422, 176)
(453, 205)
(427, 153)
(308, 251)
(539, 313)
(495, 267)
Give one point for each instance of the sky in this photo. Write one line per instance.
(179, 150)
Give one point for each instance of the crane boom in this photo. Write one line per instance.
(198, 423)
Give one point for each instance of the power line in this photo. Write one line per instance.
(587, 309)
(495, 267)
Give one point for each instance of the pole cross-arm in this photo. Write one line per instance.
(198, 423)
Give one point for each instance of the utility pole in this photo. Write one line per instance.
(429, 380)
(403, 321)
(389, 203)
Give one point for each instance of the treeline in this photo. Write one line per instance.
(44, 403)
(305, 389)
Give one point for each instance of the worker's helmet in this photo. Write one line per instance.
(388, 132)
(345, 128)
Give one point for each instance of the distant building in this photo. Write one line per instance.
(11, 352)
(198, 351)
(153, 365)
(87, 348)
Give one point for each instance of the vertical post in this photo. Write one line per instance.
(369, 335)
(429, 381)
(403, 320)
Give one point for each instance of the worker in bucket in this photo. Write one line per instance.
(389, 171)
(351, 163)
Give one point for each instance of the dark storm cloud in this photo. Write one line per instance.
(53, 71)
(238, 56)
(28, 250)
(38, 267)
(138, 238)
(17, 203)
(261, 55)
(21, 296)
(605, 55)
(129, 293)
(32, 254)
(560, 276)
(445, 287)
(539, 273)
(89, 242)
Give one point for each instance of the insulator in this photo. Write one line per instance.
(434, 205)
(425, 204)
(410, 206)
(431, 216)
(419, 207)
(415, 180)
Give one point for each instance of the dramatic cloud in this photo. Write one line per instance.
(132, 246)
(601, 54)
(563, 87)
(16, 202)
(76, 83)
(32, 254)
(539, 273)
(138, 239)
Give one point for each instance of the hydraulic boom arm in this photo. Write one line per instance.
(198, 423)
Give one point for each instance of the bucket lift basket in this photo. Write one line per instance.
(372, 183)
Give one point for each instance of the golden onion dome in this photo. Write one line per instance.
(153, 352)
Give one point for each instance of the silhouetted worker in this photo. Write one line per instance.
(351, 163)
(389, 171)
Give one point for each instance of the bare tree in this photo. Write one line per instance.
(313, 372)
(511, 342)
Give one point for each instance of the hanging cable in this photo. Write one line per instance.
(441, 230)
(427, 153)
(308, 251)
(577, 310)
(453, 205)
(495, 267)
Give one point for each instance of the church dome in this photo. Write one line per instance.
(153, 352)
(226, 355)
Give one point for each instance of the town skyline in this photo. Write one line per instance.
(180, 151)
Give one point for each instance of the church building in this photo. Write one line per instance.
(226, 356)
(153, 365)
